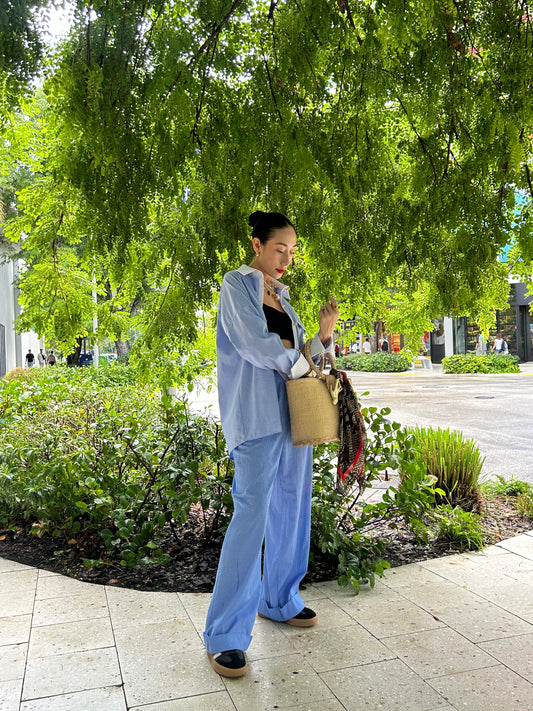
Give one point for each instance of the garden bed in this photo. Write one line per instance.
(192, 566)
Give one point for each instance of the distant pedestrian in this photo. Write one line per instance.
(384, 345)
(480, 345)
(498, 344)
(51, 360)
(367, 348)
(41, 358)
(505, 347)
(30, 359)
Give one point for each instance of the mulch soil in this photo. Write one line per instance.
(193, 563)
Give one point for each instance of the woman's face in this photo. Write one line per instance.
(274, 256)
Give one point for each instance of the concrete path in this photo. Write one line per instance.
(452, 633)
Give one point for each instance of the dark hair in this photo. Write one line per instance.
(263, 224)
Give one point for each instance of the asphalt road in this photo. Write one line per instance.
(494, 410)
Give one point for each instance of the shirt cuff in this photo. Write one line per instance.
(317, 347)
(299, 369)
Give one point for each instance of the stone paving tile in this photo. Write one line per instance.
(278, 682)
(12, 661)
(68, 673)
(71, 608)
(150, 678)
(490, 689)
(17, 592)
(158, 638)
(197, 615)
(268, 640)
(217, 701)
(311, 592)
(433, 596)
(384, 686)
(515, 598)
(521, 545)
(409, 575)
(423, 652)
(515, 652)
(330, 615)
(14, 630)
(131, 607)
(10, 694)
(338, 648)
(109, 698)
(334, 591)
(331, 705)
(7, 566)
(391, 616)
(69, 637)
(49, 586)
(18, 580)
(481, 622)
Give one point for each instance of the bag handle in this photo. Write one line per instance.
(326, 355)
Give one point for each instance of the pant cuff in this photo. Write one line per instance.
(282, 614)
(222, 642)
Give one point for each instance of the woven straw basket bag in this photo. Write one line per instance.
(314, 417)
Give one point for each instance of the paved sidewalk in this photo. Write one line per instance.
(451, 633)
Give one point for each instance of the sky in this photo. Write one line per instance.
(58, 20)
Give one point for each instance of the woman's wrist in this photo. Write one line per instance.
(324, 339)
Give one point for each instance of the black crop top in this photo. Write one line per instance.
(279, 322)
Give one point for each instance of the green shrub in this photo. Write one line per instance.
(490, 363)
(461, 528)
(374, 362)
(118, 461)
(343, 527)
(454, 461)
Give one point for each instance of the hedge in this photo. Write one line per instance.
(375, 362)
(490, 363)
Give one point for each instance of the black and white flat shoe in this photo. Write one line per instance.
(305, 618)
(231, 663)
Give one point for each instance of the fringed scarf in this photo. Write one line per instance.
(352, 435)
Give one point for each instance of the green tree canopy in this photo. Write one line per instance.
(396, 134)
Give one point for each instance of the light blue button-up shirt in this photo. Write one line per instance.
(249, 356)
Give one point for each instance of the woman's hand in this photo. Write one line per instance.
(328, 316)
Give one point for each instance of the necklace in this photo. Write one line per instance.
(271, 290)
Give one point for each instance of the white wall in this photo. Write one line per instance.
(16, 345)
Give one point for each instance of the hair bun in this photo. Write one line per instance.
(255, 217)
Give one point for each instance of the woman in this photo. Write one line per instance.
(258, 340)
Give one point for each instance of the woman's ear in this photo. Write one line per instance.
(256, 244)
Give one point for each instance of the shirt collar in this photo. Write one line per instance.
(246, 269)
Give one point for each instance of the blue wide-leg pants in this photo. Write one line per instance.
(272, 490)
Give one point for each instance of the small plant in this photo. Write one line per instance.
(454, 462)
(375, 362)
(506, 487)
(461, 528)
(490, 363)
(524, 504)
